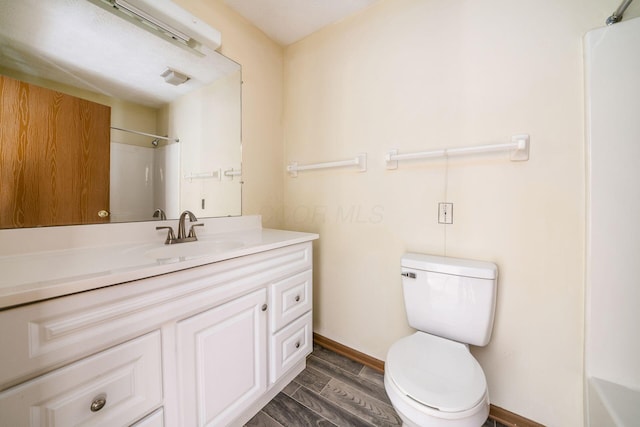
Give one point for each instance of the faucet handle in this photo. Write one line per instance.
(192, 231)
(170, 235)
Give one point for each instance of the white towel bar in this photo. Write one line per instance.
(360, 161)
(519, 147)
(203, 175)
(232, 172)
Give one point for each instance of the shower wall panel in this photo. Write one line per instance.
(612, 61)
(132, 183)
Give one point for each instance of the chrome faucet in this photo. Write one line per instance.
(159, 213)
(182, 234)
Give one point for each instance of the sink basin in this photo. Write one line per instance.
(193, 249)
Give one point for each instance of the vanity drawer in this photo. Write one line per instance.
(290, 346)
(114, 387)
(290, 298)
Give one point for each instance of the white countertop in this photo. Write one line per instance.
(29, 277)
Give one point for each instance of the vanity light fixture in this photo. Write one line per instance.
(174, 77)
(166, 19)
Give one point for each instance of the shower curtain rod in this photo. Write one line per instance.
(617, 15)
(150, 135)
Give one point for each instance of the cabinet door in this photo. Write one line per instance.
(222, 359)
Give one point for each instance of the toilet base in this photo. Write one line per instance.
(414, 414)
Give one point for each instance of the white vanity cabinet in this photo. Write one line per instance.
(205, 346)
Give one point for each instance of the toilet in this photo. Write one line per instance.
(431, 377)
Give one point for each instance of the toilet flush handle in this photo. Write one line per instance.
(409, 275)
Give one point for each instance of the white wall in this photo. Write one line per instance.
(419, 75)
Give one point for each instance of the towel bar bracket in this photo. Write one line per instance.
(521, 152)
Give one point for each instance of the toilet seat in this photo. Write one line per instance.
(435, 372)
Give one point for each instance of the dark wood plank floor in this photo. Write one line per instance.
(331, 391)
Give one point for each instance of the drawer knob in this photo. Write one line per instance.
(298, 344)
(297, 298)
(264, 307)
(98, 402)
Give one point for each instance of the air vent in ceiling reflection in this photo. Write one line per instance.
(174, 77)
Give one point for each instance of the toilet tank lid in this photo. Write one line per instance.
(448, 265)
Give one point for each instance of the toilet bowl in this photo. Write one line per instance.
(431, 377)
(435, 382)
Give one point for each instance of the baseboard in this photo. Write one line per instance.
(507, 418)
(348, 352)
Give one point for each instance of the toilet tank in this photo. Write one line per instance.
(450, 297)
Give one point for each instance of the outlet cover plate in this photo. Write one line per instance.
(445, 213)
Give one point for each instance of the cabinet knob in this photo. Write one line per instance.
(297, 298)
(298, 344)
(264, 307)
(98, 402)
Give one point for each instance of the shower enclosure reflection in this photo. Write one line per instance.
(140, 180)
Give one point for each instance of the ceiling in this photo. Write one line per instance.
(287, 21)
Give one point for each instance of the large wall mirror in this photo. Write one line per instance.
(101, 120)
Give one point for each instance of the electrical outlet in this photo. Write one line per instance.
(445, 213)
